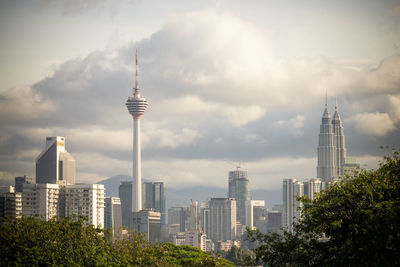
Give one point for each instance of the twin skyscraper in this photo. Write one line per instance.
(331, 147)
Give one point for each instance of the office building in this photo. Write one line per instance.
(239, 190)
(125, 195)
(291, 190)
(154, 198)
(274, 222)
(41, 200)
(20, 180)
(178, 215)
(147, 222)
(10, 202)
(136, 105)
(222, 219)
(112, 215)
(54, 164)
(339, 142)
(326, 168)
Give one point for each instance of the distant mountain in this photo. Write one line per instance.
(112, 184)
(182, 196)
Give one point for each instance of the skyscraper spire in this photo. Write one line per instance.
(335, 102)
(326, 97)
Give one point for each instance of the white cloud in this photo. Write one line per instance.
(374, 124)
(394, 103)
(294, 125)
(240, 116)
(164, 138)
(24, 105)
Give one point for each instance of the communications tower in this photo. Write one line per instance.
(136, 105)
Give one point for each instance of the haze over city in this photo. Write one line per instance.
(228, 83)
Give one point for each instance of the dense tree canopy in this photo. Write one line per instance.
(356, 222)
(67, 242)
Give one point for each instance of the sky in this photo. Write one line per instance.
(229, 83)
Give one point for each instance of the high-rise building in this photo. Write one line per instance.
(10, 202)
(147, 222)
(41, 200)
(196, 239)
(205, 216)
(136, 105)
(153, 196)
(222, 219)
(112, 215)
(178, 215)
(19, 181)
(125, 195)
(274, 222)
(326, 168)
(57, 201)
(291, 190)
(339, 142)
(55, 164)
(239, 190)
(83, 200)
(233, 176)
(311, 187)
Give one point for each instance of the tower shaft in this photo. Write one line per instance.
(137, 168)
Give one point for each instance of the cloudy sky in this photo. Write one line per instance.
(227, 82)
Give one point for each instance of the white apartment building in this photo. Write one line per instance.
(54, 200)
(40, 199)
(84, 200)
(10, 202)
(291, 190)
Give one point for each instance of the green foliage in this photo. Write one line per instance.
(67, 242)
(353, 223)
(239, 256)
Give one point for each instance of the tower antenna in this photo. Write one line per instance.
(137, 74)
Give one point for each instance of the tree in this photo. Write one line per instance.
(353, 223)
(30, 241)
(239, 256)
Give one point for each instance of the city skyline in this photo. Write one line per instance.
(227, 82)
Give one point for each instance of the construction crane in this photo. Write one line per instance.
(194, 208)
